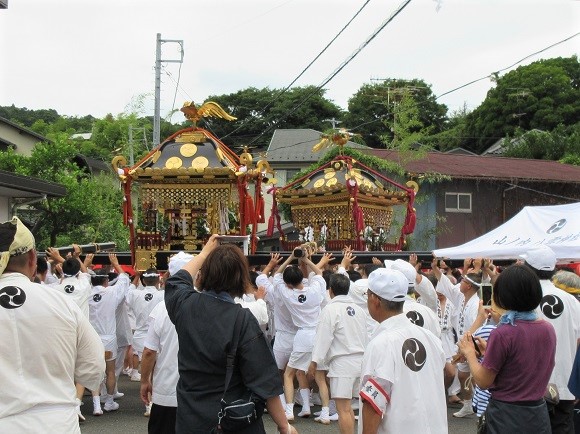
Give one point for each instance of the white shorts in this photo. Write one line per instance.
(300, 361)
(282, 348)
(281, 358)
(344, 387)
(110, 344)
(284, 342)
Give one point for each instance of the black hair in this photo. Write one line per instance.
(100, 277)
(517, 288)
(372, 267)
(354, 275)
(393, 306)
(253, 276)
(542, 274)
(292, 275)
(326, 276)
(41, 265)
(71, 267)
(339, 284)
(431, 277)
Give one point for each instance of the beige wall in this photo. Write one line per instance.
(23, 141)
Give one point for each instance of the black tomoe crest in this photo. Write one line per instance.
(12, 297)
(414, 354)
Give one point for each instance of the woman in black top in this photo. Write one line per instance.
(205, 326)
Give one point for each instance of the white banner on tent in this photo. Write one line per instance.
(556, 226)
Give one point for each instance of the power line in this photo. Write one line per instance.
(283, 91)
(508, 67)
(339, 69)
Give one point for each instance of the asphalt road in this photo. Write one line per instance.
(129, 418)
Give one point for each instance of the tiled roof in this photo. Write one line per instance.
(485, 167)
(296, 145)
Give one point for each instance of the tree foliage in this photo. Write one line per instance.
(561, 143)
(90, 211)
(374, 108)
(541, 96)
(260, 111)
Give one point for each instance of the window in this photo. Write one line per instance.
(290, 173)
(457, 202)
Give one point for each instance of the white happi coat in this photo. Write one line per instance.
(47, 345)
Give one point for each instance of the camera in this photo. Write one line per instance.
(298, 252)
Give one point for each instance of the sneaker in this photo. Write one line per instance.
(290, 416)
(111, 406)
(465, 411)
(117, 395)
(304, 413)
(97, 411)
(322, 420)
(333, 417)
(135, 376)
(127, 371)
(147, 410)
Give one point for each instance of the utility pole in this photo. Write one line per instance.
(334, 122)
(158, 61)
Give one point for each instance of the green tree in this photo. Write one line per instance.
(373, 108)
(541, 95)
(91, 209)
(260, 111)
(561, 143)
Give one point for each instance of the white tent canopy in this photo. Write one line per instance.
(555, 226)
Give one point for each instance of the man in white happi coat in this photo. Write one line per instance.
(75, 285)
(340, 342)
(48, 344)
(102, 306)
(159, 370)
(418, 313)
(401, 388)
(561, 310)
(141, 300)
(285, 328)
(464, 296)
(303, 302)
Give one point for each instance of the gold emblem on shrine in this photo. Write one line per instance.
(330, 174)
(305, 182)
(200, 163)
(319, 183)
(331, 182)
(173, 163)
(188, 150)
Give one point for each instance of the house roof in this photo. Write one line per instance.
(459, 166)
(295, 145)
(24, 130)
(19, 186)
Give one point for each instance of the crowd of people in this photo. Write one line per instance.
(385, 346)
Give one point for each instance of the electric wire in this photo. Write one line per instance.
(338, 70)
(508, 67)
(283, 91)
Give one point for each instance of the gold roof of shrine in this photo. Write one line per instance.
(192, 153)
(329, 183)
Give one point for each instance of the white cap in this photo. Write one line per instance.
(404, 267)
(390, 285)
(540, 258)
(176, 262)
